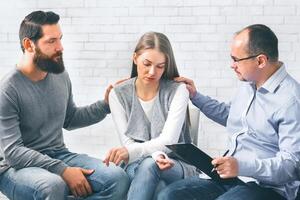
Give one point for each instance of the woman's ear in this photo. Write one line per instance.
(134, 58)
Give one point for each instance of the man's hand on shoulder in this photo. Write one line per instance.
(77, 182)
(110, 87)
(189, 85)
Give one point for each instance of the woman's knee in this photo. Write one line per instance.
(148, 165)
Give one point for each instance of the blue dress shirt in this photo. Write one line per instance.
(264, 130)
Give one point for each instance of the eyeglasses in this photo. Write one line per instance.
(240, 59)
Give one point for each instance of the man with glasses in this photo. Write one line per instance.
(263, 125)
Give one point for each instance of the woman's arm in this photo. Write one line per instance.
(119, 118)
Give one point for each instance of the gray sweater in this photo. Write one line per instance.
(32, 115)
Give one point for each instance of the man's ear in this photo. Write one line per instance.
(262, 60)
(28, 45)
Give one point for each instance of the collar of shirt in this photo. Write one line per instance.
(274, 81)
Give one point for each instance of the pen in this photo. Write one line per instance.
(214, 168)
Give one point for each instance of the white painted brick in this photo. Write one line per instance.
(239, 20)
(124, 72)
(288, 28)
(241, 10)
(126, 55)
(195, 3)
(203, 28)
(26, 4)
(255, 2)
(131, 28)
(197, 63)
(117, 63)
(207, 91)
(90, 3)
(101, 37)
(164, 3)
(225, 92)
(178, 28)
(268, 20)
(132, 20)
(80, 29)
(94, 46)
(205, 10)
(217, 20)
(285, 46)
(157, 20)
(202, 19)
(166, 11)
(288, 55)
(3, 37)
(137, 11)
(221, 82)
(116, 46)
(59, 4)
(184, 11)
(124, 37)
(178, 37)
(229, 28)
(187, 72)
(220, 3)
(151, 27)
(107, 55)
(292, 19)
(208, 73)
(95, 20)
(214, 37)
(286, 2)
(280, 10)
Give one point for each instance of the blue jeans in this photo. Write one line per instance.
(39, 184)
(145, 176)
(203, 189)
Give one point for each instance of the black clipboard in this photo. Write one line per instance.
(191, 154)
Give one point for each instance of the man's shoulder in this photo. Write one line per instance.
(10, 80)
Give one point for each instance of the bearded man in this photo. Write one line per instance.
(36, 102)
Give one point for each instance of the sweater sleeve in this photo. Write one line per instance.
(12, 149)
(77, 117)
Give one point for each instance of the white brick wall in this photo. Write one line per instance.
(99, 37)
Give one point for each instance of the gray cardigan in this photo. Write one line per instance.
(142, 129)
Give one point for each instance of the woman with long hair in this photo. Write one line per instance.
(149, 111)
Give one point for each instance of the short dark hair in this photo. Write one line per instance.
(156, 40)
(31, 26)
(262, 40)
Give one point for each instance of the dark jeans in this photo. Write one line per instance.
(196, 188)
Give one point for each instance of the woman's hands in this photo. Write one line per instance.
(116, 155)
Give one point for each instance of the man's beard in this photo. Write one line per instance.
(53, 64)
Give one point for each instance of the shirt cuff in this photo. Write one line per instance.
(58, 168)
(156, 154)
(246, 167)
